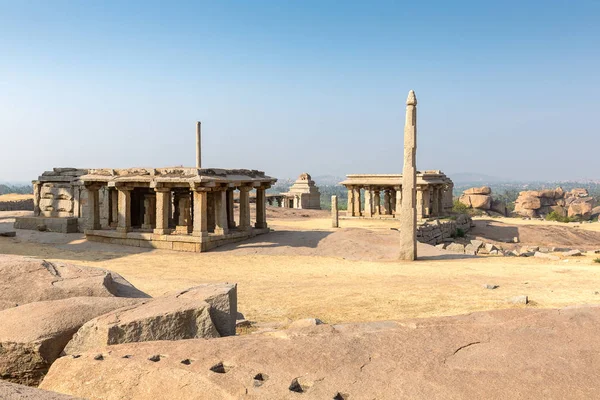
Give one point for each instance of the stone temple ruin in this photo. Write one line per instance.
(382, 194)
(303, 194)
(187, 209)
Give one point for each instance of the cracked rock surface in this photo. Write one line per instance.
(516, 353)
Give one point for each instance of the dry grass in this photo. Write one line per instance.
(15, 197)
(335, 289)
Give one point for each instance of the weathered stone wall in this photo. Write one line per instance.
(435, 232)
(17, 205)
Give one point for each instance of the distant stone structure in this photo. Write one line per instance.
(382, 194)
(176, 208)
(303, 194)
(59, 202)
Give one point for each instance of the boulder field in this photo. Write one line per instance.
(520, 353)
(51, 309)
(538, 203)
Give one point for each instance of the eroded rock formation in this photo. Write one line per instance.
(481, 198)
(538, 203)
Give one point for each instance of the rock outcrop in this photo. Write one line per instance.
(13, 391)
(33, 335)
(489, 355)
(165, 318)
(481, 199)
(539, 203)
(24, 280)
(222, 298)
(44, 304)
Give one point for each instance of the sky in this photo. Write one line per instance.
(509, 89)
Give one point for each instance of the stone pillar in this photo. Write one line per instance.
(149, 212)
(335, 222)
(200, 214)
(244, 207)
(426, 202)
(440, 201)
(408, 216)
(449, 197)
(93, 209)
(210, 210)
(420, 209)
(36, 198)
(114, 208)
(376, 202)
(230, 216)
(368, 203)
(261, 210)
(357, 202)
(163, 200)
(350, 209)
(184, 220)
(387, 207)
(398, 208)
(198, 145)
(124, 223)
(221, 225)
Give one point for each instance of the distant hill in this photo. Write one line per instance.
(465, 177)
(20, 189)
(327, 180)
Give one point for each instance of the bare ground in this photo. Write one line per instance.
(307, 269)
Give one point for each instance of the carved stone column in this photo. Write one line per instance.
(420, 205)
(124, 223)
(387, 208)
(376, 202)
(221, 225)
(440, 201)
(261, 209)
(92, 215)
(200, 213)
(350, 209)
(230, 203)
(163, 200)
(398, 208)
(149, 211)
(244, 208)
(357, 202)
(368, 202)
(183, 206)
(36, 198)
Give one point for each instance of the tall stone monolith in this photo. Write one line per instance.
(408, 216)
(198, 145)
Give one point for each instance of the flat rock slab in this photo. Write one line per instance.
(505, 354)
(13, 391)
(165, 318)
(33, 335)
(25, 279)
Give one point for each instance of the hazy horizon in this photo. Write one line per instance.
(508, 90)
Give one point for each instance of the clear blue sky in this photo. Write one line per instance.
(505, 88)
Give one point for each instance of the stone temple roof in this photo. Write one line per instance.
(157, 176)
(423, 178)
